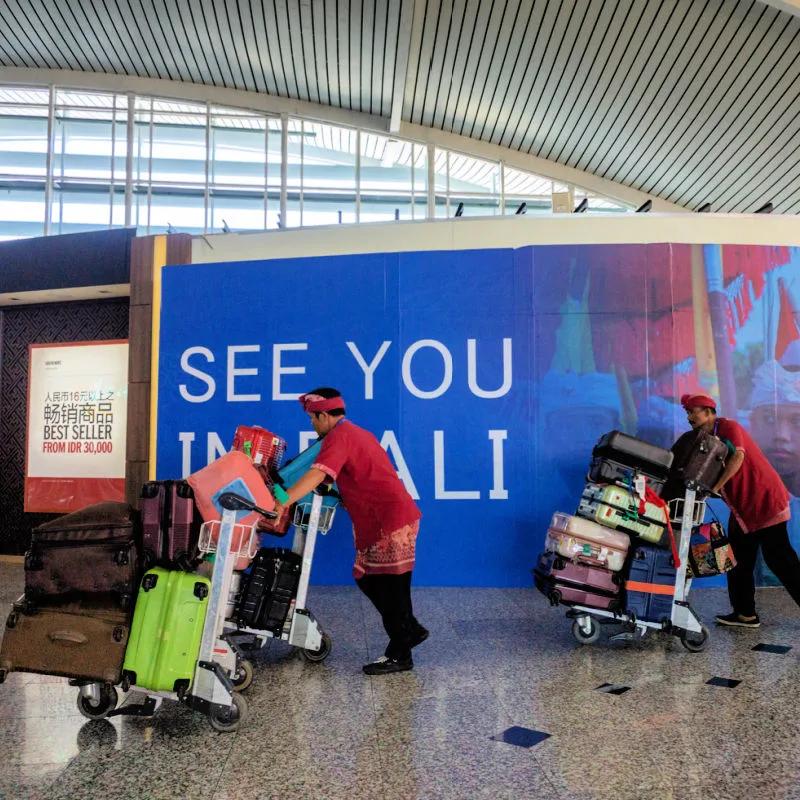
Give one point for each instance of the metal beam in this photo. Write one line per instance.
(412, 14)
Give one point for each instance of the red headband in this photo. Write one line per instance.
(689, 401)
(315, 402)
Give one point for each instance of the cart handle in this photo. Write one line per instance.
(235, 502)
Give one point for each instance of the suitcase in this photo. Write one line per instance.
(260, 445)
(84, 640)
(650, 586)
(92, 550)
(566, 583)
(170, 525)
(615, 507)
(616, 456)
(700, 457)
(166, 631)
(587, 542)
(270, 589)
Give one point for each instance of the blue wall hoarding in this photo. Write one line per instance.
(486, 374)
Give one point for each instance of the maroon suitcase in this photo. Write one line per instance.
(76, 640)
(699, 457)
(567, 583)
(171, 525)
(92, 550)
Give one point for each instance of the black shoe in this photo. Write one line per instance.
(420, 636)
(738, 621)
(385, 666)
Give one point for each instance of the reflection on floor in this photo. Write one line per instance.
(497, 659)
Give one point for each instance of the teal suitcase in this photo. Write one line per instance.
(167, 628)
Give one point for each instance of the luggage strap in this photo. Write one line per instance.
(650, 588)
(652, 497)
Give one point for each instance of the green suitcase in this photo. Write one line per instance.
(166, 631)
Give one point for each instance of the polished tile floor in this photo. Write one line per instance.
(497, 659)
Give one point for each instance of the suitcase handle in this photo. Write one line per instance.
(235, 502)
(72, 637)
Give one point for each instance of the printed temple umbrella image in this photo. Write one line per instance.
(665, 314)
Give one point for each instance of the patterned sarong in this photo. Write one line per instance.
(392, 555)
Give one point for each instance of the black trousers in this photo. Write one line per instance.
(778, 554)
(391, 596)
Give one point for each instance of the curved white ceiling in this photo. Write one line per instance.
(691, 101)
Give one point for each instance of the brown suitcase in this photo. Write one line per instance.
(75, 640)
(91, 550)
(699, 457)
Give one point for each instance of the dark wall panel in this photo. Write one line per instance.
(98, 258)
(22, 326)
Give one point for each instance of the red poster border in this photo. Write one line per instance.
(94, 490)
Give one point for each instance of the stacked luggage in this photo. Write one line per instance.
(81, 576)
(621, 521)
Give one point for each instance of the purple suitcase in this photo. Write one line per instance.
(567, 583)
(171, 525)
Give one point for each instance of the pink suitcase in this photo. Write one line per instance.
(170, 525)
(587, 542)
(567, 583)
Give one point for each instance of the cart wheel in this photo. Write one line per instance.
(227, 720)
(695, 642)
(318, 656)
(243, 677)
(108, 702)
(581, 636)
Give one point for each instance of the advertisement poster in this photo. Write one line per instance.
(77, 425)
(488, 375)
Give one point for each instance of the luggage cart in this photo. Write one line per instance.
(211, 690)
(300, 629)
(684, 622)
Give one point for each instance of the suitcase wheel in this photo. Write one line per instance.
(33, 562)
(182, 561)
(150, 489)
(12, 620)
(128, 680)
(3, 674)
(119, 633)
(149, 582)
(559, 562)
(554, 597)
(184, 490)
(617, 579)
(180, 687)
(121, 558)
(148, 559)
(200, 591)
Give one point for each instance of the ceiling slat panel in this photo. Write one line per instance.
(482, 75)
(215, 22)
(554, 23)
(475, 15)
(654, 53)
(304, 35)
(503, 53)
(697, 49)
(39, 36)
(390, 30)
(608, 23)
(689, 64)
(764, 143)
(343, 60)
(424, 61)
(319, 25)
(762, 82)
(122, 48)
(176, 43)
(195, 28)
(356, 66)
(704, 92)
(84, 50)
(136, 31)
(367, 64)
(273, 48)
(435, 74)
(378, 56)
(22, 53)
(331, 53)
(162, 37)
(281, 44)
(452, 71)
(252, 46)
(566, 65)
(231, 41)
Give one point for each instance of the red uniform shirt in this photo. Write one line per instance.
(375, 498)
(756, 494)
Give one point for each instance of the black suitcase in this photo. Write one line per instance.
(270, 589)
(699, 457)
(617, 455)
(90, 551)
